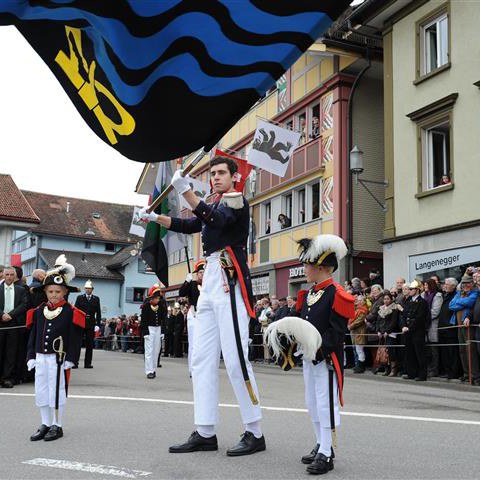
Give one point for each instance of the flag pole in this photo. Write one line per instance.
(201, 153)
(188, 259)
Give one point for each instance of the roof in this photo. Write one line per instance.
(122, 257)
(14, 205)
(87, 265)
(80, 218)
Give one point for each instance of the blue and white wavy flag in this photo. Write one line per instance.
(159, 79)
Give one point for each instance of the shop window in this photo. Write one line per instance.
(436, 155)
(433, 42)
(314, 127)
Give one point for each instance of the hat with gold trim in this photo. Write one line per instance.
(324, 249)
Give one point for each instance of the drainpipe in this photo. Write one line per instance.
(349, 266)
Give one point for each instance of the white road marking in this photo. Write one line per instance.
(272, 409)
(87, 467)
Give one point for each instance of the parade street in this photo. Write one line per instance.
(118, 423)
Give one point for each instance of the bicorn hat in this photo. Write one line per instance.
(61, 275)
(290, 338)
(200, 265)
(324, 249)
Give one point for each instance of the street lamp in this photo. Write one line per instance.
(356, 168)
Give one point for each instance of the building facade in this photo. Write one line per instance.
(432, 100)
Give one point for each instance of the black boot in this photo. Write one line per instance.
(247, 445)
(307, 459)
(320, 465)
(40, 433)
(388, 369)
(195, 443)
(54, 433)
(359, 368)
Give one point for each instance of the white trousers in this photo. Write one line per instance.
(190, 329)
(46, 381)
(152, 348)
(316, 393)
(214, 332)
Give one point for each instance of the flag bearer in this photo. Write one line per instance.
(54, 347)
(223, 309)
(154, 312)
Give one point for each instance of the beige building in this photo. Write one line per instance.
(432, 112)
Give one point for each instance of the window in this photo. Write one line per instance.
(139, 295)
(109, 247)
(88, 244)
(314, 127)
(28, 267)
(289, 124)
(315, 205)
(301, 206)
(33, 241)
(433, 48)
(285, 216)
(436, 155)
(266, 217)
(301, 126)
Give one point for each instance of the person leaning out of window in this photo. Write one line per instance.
(284, 221)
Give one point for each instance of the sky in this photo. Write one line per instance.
(45, 144)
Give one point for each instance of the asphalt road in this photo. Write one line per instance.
(119, 424)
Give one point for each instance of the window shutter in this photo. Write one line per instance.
(129, 294)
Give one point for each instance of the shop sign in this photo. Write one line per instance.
(434, 261)
(172, 294)
(295, 272)
(261, 285)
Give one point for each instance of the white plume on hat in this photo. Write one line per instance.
(296, 330)
(63, 268)
(321, 244)
(88, 284)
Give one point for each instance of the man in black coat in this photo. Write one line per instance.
(13, 306)
(90, 304)
(414, 325)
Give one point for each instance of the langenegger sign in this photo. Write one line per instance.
(434, 261)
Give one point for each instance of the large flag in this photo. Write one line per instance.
(159, 242)
(272, 147)
(158, 79)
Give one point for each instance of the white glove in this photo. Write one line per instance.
(68, 365)
(189, 278)
(179, 183)
(146, 216)
(31, 364)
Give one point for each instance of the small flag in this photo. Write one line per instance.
(243, 172)
(137, 226)
(272, 147)
(199, 188)
(159, 242)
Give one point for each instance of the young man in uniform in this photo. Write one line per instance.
(154, 312)
(223, 308)
(328, 307)
(54, 347)
(191, 289)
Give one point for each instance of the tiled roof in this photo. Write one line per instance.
(13, 204)
(74, 217)
(121, 257)
(87, 265)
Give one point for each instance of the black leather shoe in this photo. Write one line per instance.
(7, 384)
(150, 375)
(40, 433)
(54, 433)
(420, 379)
(88, 366)
(320, 465)
(75, 366)
(308, 459)
(196, 443)
(247, 445)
